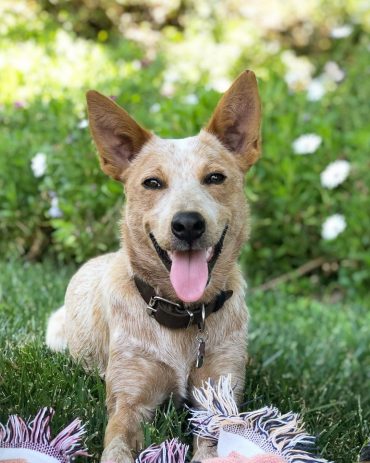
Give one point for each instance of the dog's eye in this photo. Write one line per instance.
(152, 183)
(215, 178)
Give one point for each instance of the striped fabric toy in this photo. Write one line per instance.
(169, 451)
(260, 436)
(30, 441)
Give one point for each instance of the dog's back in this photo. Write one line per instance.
(80, 324)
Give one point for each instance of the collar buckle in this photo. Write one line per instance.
(191, 317)
(151, 307)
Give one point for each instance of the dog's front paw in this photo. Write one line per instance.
(204, 451)
(117, 452)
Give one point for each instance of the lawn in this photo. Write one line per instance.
(306, 355)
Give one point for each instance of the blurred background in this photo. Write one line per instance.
(166, 62)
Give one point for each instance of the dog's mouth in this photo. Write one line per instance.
(190, 271)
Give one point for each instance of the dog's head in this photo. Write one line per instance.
(185, 217)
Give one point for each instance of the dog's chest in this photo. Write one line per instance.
(175, 350)
(172, 353)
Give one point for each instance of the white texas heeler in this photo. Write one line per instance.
(166, 311)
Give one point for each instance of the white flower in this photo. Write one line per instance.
(191, 99)
(136, 64)
(171, 76)
(83, 124)
(54, 211)
(273, 47)
(167, 89)
(298, 70)
(220, 85)
(340, 32)
(155, 108)
(333, 226)
(335, 174)
(333, 71)
(315, 90)
(38, 164)
(306, 144)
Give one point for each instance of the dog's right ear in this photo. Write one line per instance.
(117, 136)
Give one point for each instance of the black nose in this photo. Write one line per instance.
(188, 226)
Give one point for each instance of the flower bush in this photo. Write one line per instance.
(55, 200)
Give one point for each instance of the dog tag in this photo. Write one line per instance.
(201, 353)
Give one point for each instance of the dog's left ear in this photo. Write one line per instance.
(237, 119)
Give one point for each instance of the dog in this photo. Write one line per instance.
(166, 311)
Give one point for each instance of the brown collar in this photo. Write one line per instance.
(175, 315)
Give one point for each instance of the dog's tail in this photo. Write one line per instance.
(365, 454)
(56, 338)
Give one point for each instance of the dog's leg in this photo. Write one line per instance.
(231, 360)
(135, 387)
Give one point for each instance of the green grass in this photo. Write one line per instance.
(307, 356)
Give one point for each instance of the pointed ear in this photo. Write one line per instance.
(117, 136)
(237, 118)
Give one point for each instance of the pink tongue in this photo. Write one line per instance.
(189, 274)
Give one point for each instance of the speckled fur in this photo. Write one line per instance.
(106, 324)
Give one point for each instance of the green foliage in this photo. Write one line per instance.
(307, 356)
(289, 204)
(46, 69)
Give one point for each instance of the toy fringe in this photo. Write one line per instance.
(365, 454)
(36, 435)
(169, 451)
(283, 434)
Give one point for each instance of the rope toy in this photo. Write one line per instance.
(30, 441)
(260, 436)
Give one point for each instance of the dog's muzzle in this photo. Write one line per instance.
(213, 253)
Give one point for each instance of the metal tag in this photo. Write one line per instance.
(201, 338)
(201, 352)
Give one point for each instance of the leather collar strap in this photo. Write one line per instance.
(176, 315)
